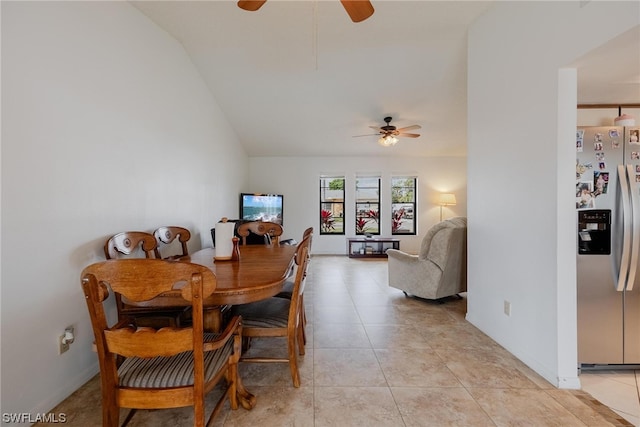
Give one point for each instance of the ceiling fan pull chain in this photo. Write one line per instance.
(314, 47)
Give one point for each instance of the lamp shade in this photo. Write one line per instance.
(447, 199)
(624, 120)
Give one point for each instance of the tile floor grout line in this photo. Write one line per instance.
(309, 405)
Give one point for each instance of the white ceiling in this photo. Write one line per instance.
(611, 73)
(298, 78)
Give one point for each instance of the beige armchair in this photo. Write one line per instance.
(440, 269)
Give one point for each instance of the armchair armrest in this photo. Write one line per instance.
(401, 256)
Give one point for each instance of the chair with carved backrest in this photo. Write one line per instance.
(145, 368)
(130, 243)
(278, 317)
(270, 230)
(287, 288)
(134, 244)
(166, 236)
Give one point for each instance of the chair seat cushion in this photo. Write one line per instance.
(287, 289)
(174, 371)
(269, 313)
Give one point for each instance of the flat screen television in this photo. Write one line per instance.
(261, 207)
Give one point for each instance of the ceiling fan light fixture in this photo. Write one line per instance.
(388, 135)
(388, 140)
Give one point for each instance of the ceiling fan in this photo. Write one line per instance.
(358, 10)
(389, 134)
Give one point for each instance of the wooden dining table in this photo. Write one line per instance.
(260, 273)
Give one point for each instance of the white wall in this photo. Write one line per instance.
(520, 209)
(107, 126)
(604, 116)
(298, 179)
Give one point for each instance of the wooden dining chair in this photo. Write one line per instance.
(136, 244)
(270, 230)
(278, 317)
(287, 289)
(308, 232)
(145, 368)
(127, 243)
(166, 236)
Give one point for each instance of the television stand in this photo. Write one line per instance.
(373, 247)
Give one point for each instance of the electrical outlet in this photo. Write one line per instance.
(507, 308)
(65, 340)
(62, 344)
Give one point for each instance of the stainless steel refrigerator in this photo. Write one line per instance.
(608, 245)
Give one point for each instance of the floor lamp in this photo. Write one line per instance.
(446, 199)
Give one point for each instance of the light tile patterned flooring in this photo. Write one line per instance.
(377, 358)
(619, 390)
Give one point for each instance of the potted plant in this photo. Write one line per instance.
(327, 220)
(396, 220)
(361, 225)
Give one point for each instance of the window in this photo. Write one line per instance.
(403, 205)
(332, 205)
(367, 205)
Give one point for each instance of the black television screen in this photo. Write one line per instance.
(261, 207)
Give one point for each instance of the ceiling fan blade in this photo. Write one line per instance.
(409, 135)
(358, 10)
(410, 128)
(370, 134)
(251, 5)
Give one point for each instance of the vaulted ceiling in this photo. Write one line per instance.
(299, 78)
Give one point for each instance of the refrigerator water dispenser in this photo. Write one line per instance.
(594, 232)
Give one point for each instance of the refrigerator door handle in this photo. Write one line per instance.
(635, 227)
(621, 280)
